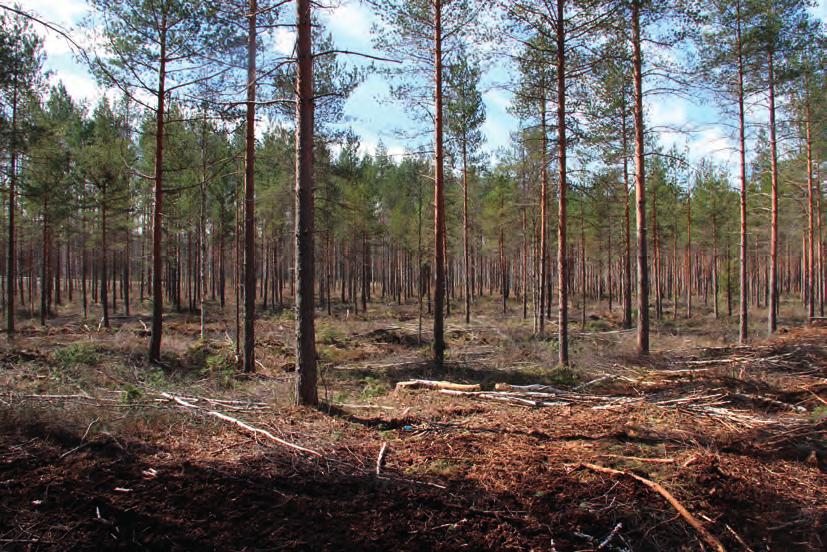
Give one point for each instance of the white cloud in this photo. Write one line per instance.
(668, 112)
(350, 21)
(285, 40)
(497, 99)
(712, 143)
(79, 85)
(497, 134)
(396, 151)
(64, 12)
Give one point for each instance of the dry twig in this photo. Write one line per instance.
(242, 425)
(380, 460)
(708, 537)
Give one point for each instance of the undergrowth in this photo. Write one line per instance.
(76, 354)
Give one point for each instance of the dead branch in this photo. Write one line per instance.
(813, 393)
(594, 381)
(536, 387)
(713, 361)
(380, 460)
(767, 400)
(708, 537)
(641, 459)
(610, 536)
(504, 397)
(246, 427)
(738, 538)
(685, 372)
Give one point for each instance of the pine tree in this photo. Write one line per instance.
(155, 49)
(532, 98)
(465, 117)
(724, 51)
(52, 178)
(424, 33)
(306, 392)
(21, 54)
(103, 167)
(779, 32)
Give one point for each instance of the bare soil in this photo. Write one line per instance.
(94, 456)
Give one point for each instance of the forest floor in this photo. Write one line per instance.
(99, 450)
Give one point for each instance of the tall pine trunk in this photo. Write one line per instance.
(543, 218)
(250, 199)
(743, 307)
(306, 391)
(640, 189)
(562, 262)
(772, 313)
(157, 215)
(103, 268)
(202, 229)
(627, 245)
(466, 260)
(439, 195)
(811, 265)
(12, 251)
(45, 280)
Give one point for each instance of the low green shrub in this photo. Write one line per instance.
(76, 354)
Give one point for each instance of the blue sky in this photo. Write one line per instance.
(374, 116)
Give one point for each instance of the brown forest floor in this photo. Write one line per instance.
(93, 456)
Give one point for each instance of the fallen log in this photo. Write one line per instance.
(708, 537)
(439, 385)
(246, 427)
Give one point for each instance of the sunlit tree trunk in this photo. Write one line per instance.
(103, 257)
(250, 198)
(640, 188)
(540, 308)
(306, 391)
(562, 262)
(157, 224)
(743, 307)
(627, 239)
(439, 194)
(11, 261)
(811, 265)
(772, 313)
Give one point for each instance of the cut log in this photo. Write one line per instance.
(708, 537)
(431, 384)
